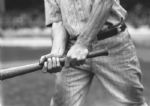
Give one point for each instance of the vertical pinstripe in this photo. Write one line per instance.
(119, 73)
(75, 13)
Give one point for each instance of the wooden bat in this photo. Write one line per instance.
(21, 70)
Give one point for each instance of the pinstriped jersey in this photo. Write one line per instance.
(75, 13)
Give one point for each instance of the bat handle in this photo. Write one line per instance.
(91, 55)
(21, 70)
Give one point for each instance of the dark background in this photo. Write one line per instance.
(22, 5)
(26, 4)
(36, 89)
(30, 13)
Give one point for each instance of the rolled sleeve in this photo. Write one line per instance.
(52, 12)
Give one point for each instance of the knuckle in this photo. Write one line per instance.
(73, 56)
(48, 55)
(45, 64)
(49, 60)
(83, 58)
(85, 51)
(58, 59)
(53, 58)
(42, 57)
(58, 62)
(78, 58)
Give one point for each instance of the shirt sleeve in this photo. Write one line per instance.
(52, 12)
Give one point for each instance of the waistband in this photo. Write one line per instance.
(110, 32)
(113, 31)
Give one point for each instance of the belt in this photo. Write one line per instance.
(112, 31)
(115, 30)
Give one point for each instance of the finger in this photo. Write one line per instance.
(54, 62)
(82, 58)
(42, 59)
(79, 58)
(49, 67)
(86, 51)
(73, 57)
(44, 67)
(58, 62)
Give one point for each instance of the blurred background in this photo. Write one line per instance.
(24, 38)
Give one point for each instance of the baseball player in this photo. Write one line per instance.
(82, 26)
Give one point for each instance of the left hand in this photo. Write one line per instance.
(77, 55)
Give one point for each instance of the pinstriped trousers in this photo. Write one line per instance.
(119, 73)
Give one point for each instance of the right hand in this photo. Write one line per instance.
(51, 63)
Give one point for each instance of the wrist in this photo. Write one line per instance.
(84, 39)
(83, 43)
(58, 52)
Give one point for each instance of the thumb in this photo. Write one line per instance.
(42, 60)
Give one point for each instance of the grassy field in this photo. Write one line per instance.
(36, 89)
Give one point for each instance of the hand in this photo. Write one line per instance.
(76, 55)
(51, 63)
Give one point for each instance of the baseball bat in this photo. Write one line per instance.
(21, 70)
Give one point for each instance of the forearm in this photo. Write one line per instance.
(59, 38)
(97, 19)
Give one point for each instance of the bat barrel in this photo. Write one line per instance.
(21, 70)
(17, 71)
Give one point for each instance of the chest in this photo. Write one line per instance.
(75, 8)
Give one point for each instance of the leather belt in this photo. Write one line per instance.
(112, 31)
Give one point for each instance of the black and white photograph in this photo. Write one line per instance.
(74, 53)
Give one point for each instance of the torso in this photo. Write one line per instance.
(75, 13)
